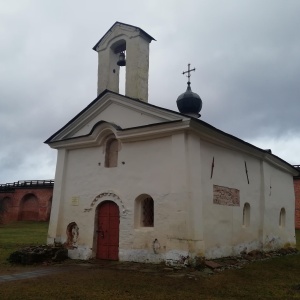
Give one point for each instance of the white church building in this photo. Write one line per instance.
(137, 182)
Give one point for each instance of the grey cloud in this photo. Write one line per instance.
(246, 55)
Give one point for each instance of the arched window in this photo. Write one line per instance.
(111, 153)
(246, 215)
(144, 211)
(282, 218)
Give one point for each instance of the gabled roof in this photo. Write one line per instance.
(194, 123)
(120, 23)
(99, 98)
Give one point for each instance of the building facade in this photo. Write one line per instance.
(137, 182)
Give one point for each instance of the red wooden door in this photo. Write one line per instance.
(108, 231)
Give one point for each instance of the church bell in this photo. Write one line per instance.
(121, 62)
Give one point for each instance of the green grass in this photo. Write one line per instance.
(277, 278)
(26, 232)
(17, 235)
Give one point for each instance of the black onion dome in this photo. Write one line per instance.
(189, 103)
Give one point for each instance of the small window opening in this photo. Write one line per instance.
(111, 153)
(144, 211)
(246, 215)
(147, 212)
(282, 218)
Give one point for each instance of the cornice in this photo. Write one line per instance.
(102, 129)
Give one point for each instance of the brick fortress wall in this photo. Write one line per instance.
(297, 204)
(26, 200)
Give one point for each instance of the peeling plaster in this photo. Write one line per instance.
(72, 235)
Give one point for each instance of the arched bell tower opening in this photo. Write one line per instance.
(119, 70)
(127, 47)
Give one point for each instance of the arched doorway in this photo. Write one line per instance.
(29, 208)
(108, 231)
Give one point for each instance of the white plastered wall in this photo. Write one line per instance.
(175, 171)
(278, 193)
(145, 167)
(224, 231)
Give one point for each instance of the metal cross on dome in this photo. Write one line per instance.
(189, 72)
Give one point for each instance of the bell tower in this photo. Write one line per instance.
(126, 46)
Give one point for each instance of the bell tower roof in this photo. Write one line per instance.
(131, 27)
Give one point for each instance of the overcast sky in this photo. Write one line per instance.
(246, 55)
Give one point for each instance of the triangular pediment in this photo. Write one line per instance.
(113, 108)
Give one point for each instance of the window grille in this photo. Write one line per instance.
(148, 212)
